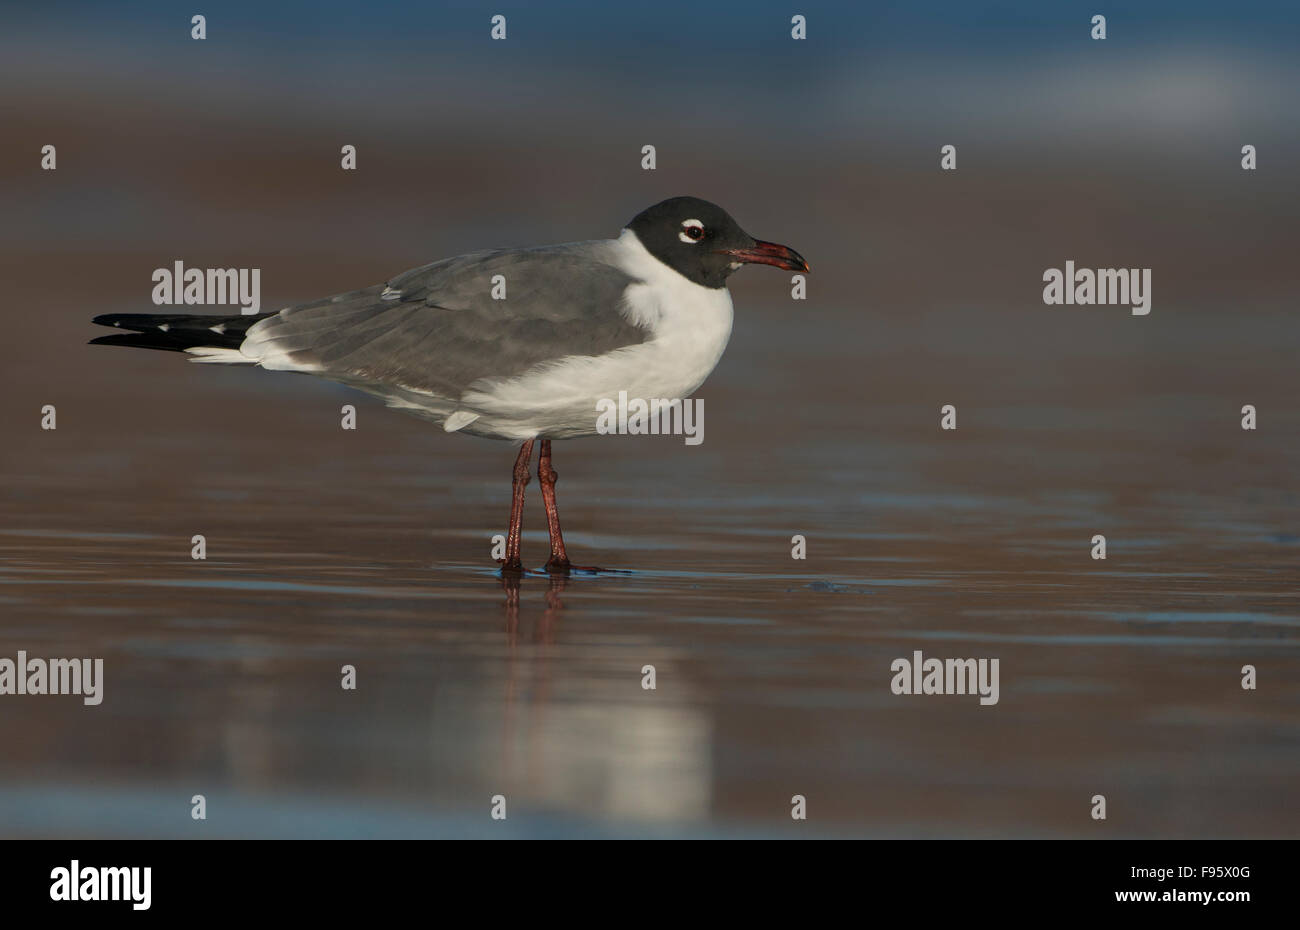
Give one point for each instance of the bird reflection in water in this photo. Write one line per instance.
(610, 747)
(511, 584)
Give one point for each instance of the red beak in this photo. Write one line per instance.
(769, 253)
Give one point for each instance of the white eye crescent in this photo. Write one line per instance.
(692, 231)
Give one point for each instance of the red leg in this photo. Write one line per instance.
(559, 562)
(519, 481)
(547, 476)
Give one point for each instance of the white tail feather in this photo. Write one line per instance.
(215, 356)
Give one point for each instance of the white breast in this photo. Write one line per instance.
(689, 327)
(689, 324)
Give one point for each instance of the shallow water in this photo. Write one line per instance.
(371, 548)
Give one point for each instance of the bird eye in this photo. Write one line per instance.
(692, 231)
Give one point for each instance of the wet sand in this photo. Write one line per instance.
(371, 548)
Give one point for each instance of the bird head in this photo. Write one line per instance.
(701, 241)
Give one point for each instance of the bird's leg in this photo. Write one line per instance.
(519, 481)
(547, 476)
(559, 562)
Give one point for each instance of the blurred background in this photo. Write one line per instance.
(371, 547)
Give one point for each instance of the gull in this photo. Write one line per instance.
(647, 312)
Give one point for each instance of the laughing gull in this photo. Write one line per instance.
(647, 313)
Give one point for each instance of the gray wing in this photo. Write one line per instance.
(436, 329)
